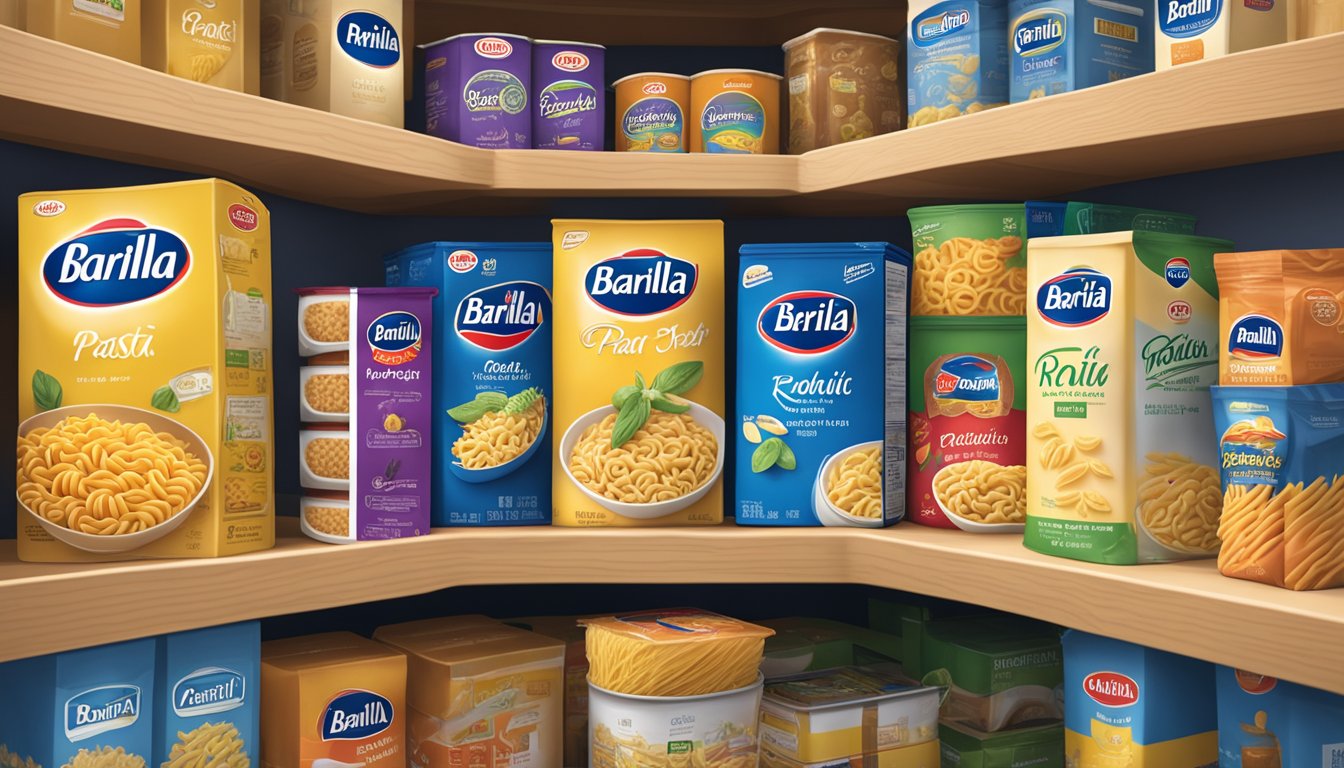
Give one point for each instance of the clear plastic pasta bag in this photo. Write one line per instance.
(1282, 463)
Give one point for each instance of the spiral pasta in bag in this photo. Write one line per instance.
(1282, 454)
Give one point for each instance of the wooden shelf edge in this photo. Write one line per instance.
(1182, 607)
(1190, 118)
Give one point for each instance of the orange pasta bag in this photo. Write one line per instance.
(1281, 317)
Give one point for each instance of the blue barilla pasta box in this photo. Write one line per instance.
(956, 58)
(821, 355)
(492, 378)
(1057, 46)
(88, 707)
(208, 701)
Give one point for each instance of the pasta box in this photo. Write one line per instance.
(1059, 46)
(478, 90)
(1265, 722)
(821, 354)
(492, 378)
(207, 700)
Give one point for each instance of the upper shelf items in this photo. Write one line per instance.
(1266, 104)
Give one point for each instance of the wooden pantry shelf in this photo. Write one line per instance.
(1182, 607)
(1271, 103)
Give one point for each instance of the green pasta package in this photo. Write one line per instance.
(1282, 466)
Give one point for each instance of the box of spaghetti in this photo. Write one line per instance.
(969, 260)
(1281, 317)
(1282, 452)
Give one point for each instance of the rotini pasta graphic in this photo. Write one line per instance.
(105, 757)
(209, 745)
(983, 492)
(854, 484)
(500, 436)
(669, 457)
(965, 276)
(106, 477)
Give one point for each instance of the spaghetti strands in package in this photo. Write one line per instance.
(1283, 484)
(1281, 316)
(679, 652)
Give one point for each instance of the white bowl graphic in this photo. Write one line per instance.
(972, 525)
(828, 513)
(702, 416)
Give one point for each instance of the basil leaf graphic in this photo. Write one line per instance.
(786, 458)
(667, 405)
(623, 394)
(766, 454)
(522, 401)
(165, 399)
(633, 415)
(679, 378)
(639, 381)
(46, 391)
(484, 403)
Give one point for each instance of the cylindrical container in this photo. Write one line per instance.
(843, 86)
(477, 90)
(570, 105)
(324, 390)
(969, 260)
(325, 516)
(711, 729)
(968, 399)
(734, 112)
(651, 112)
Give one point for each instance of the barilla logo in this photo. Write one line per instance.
(99, 710)
(1255, 337)
(1075, 298)
(1111, 689)
(1178, 271)
(1188, 18)
(242, 218)
(462, 261)
(502, 316)
(494, 47)
(1256, 685)
(116, 262)
(369, 38)
(655, 89)
(209, 691)
(935, 24)
(394, 338)
(49, 208)
(641, 282)
(570, 61)
(1039, 33)
(808, 322)
(356, 714)
(967, 377)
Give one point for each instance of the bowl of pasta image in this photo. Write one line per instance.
(498, 442)
(640, 479)
(848, 489)
(109, 478)
(983, 497)
(1180, 504)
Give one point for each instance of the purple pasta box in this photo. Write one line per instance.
(365, 402)
(570, 106)
(478, 89)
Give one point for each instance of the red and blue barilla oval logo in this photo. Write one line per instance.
(1111, 689)
(354, 715)
(641, 282)
(1178, 271)
(394, 338)
(369, 38)
(116, 262)
(967, 377)
(1255, 337)
(808, 322)
(502, 316)
(1078, 297)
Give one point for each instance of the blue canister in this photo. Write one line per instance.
(821, 353)
(478, 90)
(1057, 46)
(570, 102)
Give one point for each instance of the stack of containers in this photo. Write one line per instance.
(718, 111)
(500, 91)
(1279, 416)
(365, 402)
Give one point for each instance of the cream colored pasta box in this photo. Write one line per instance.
(144, 373)
(110, 27)
(1122, 345)
(342, 56)
(209, 41)
(1193, 30)
(639, 373)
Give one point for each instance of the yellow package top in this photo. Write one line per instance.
(678, 652)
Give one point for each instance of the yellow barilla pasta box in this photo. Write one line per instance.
(332, 700)
(1122, 346)
(639, 373)
(208, 41)
(145, 366)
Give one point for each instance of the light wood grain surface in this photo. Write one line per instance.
(1271, 103)
(1182, 607)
